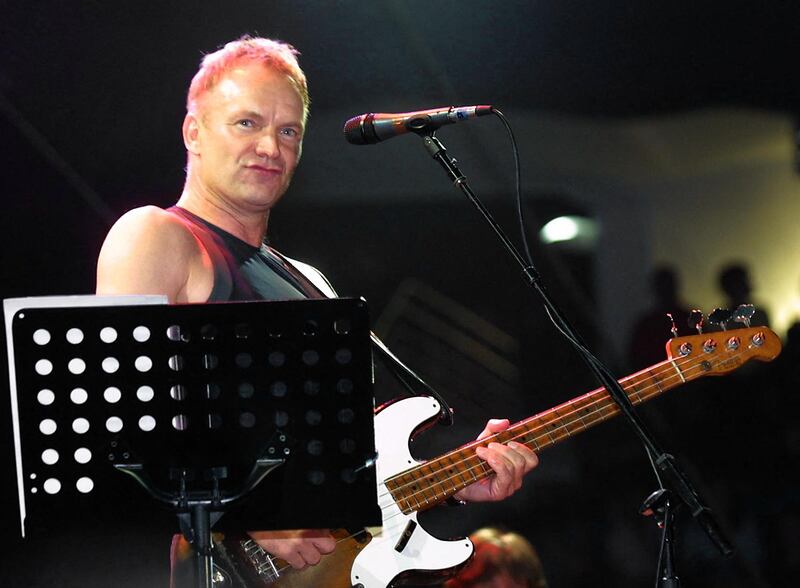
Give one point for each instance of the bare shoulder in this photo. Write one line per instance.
(148, 251)
(151, 225)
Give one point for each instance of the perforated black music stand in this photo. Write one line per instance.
(198, 403)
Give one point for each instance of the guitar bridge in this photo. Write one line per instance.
(261, 560)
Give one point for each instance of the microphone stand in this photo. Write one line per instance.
(675, 479)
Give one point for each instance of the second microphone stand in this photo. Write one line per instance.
(676, 479)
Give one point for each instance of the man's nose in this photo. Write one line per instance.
(267, 146)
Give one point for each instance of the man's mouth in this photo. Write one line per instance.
(268, 171)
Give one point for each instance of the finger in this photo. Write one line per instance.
(531, 459)
(503, 468)
(494, 426)
(515, 463)
(325, 544)
(296, 560)
(309, 552)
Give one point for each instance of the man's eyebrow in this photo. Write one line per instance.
(246, 114)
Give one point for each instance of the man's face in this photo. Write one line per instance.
(247, 136)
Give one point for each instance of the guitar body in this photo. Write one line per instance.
(365, 559)
(380, 562)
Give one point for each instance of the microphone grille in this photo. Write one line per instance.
(359, 130)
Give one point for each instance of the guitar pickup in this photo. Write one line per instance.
(407, 532)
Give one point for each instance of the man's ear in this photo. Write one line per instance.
(191, 130)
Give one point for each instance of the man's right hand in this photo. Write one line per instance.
(299, 548)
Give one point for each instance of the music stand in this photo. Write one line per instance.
(198, 403)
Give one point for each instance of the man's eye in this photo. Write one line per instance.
(246, 123)
(290, 132)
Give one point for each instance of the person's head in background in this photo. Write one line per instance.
(503, 559)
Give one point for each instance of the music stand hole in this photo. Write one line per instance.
(76, 366)
(143, 363)
(276, 358)
(80, 425)
(310, 328)
(49, 456)
(141, 334)
(246, 390)
(180, 422)
(112, 394)
(343, 356)
(244, 360)
(177, 334)
(178, 392)
(342, 326)
(147, 423)
(247, 420)
(312, 387)
(108, 334)
(278, 389)
(82, 455)
(44, 367)
(45, 397)
(41, 336)
(52, 486)
(208, 332)
(145, 393)
(84, 485)
(110, 365)
(114, 424)
(310, 357)
(176, 363)
(47, 427)
(74, 336)
(78, 396)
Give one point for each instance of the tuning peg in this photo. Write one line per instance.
(695, 321)
(743, 314)
(673, 329)
(720, 316)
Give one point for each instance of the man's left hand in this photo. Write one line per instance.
(510, 462)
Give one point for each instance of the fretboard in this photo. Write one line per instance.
(428, 484)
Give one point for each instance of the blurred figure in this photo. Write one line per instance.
(652, 329)
(503, 559)
(734, 281)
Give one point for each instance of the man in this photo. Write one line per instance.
(243, 131)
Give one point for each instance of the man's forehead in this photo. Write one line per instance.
(253, 79)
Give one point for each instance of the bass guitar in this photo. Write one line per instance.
(401, 550)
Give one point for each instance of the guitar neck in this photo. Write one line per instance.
(428, 484)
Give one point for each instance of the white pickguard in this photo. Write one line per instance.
(380, 562)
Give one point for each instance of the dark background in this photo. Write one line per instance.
(92, 100)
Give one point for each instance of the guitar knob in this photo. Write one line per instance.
(685, 349)
(743, 314)
(720, 317)
(695, 321)
(709, 345)
(734, 343)
(758, 339)
(673, 329)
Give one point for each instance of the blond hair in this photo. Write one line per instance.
(274, 54)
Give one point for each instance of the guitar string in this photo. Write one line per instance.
(646, 391)
(602, 399)
(482, 466)
(665, 368)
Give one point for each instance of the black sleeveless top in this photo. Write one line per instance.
(244, 272)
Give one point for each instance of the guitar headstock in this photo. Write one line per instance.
(724, 351)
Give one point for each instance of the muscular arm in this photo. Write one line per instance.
(150, 251)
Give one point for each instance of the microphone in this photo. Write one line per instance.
(371, 128)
